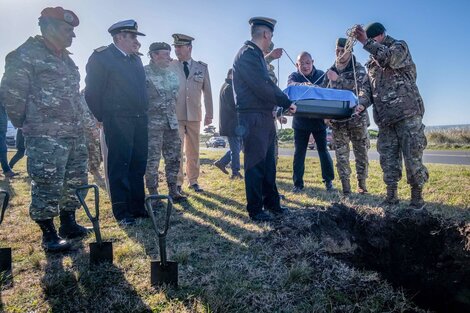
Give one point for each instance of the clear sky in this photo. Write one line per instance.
(437, 33)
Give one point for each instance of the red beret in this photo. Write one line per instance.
(60, 14)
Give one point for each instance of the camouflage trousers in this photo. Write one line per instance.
(56, 166)
(92, 136)
(164, 141)
(404, 140)
(354, 131)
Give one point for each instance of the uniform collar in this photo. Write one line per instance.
(53, 48)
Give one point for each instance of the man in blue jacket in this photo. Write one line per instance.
(307, 74)
(117, 96)
(256, 96)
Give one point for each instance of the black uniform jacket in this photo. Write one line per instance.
(227, 112)
(115, 84)
(254, 90)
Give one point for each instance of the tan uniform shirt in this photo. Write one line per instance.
(188, 104)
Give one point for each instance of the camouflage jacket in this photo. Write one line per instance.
(391, 82)
(345, 79)
(40, 91)
(162, 89)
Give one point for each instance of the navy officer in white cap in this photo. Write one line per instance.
(256, 96)
(116, 94)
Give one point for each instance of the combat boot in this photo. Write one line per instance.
(417, 201)
(69, 228)
(392, 195)
(346, 186)
(361, 186)
(51, 242)
(175, 194)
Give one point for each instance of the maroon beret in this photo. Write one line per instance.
(58, 13)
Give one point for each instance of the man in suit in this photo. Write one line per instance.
(116, 94)
(194, 82)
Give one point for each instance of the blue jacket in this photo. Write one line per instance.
(305, 123)
(115, 84)
(254, 90)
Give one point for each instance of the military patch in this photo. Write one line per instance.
(100, 49)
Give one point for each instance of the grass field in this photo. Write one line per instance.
(226, 262)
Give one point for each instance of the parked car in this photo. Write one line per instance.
(215, 142)
(11, 135)
(329, 140)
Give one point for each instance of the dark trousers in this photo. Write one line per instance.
(20, 148)
(127, 141)
(301, 138)
(260, 165)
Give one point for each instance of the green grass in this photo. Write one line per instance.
(226, 262)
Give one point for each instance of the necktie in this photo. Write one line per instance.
(186, 69)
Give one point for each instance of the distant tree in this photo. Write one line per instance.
(286, 134)
(373, 134)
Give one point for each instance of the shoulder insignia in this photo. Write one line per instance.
(202, 63)
(100, 49)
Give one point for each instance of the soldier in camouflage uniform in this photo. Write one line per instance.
(40, 90)
(163, 136)
(354, 130)
(398, 111)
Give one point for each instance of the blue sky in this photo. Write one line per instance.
(436, 32)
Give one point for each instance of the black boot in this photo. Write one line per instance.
(175, 193)
(69, 228)
(392, 195)
(345, 184)
(361, 186)
(417, 201)
(50, 241)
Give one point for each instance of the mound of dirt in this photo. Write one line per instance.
(428, 256)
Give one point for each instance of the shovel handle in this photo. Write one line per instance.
(169, 207)
(94, 219)
(162, 245)
(6, 200)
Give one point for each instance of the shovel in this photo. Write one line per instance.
(100, 252)
(162, 272)
(5, 253)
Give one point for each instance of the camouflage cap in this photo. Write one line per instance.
(374, 29)
(127, 26)
(341, 42)
(159, 46)
(59, 13)
(265, 21)
(182, 40)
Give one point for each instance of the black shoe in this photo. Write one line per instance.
(180, 190)
(329, 186)
(69, 228)
(236, 176)
(196, 188)
(282, 197)
(262, 217)
(279, 211)
(51, 242)
(297, 189)
(220, 167)
(127, 221)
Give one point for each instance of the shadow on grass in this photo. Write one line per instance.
(71, 285)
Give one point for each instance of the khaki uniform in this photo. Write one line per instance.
(189, 113)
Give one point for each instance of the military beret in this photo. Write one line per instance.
(159, 46)
(127, 26)
(374, 29)
(341, 42)
(265, 21)
(182, 40)
(58, 13)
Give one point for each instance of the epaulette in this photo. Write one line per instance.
(202, 63)
(249, 46)
(100, 49)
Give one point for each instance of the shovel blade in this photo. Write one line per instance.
(5, 267)
(164, 275)
(101, 253)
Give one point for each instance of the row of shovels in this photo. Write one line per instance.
(162, 272)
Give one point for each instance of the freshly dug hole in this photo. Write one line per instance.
(429, 257)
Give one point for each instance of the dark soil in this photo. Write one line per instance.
(428, 256)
